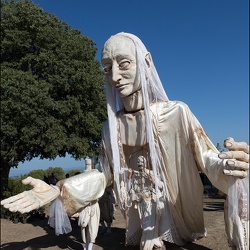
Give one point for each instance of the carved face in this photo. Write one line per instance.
(141, 163)
(119, 63)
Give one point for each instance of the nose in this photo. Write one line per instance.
(116, 74)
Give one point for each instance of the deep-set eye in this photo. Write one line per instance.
(124, 65)
(107, 69)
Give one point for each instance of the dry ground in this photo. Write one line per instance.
(37, 235)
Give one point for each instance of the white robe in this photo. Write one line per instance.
(184, 150)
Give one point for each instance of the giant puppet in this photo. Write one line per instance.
(142, 121)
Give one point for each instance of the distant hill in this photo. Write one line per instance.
(15, 172)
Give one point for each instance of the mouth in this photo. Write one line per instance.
(120, 86)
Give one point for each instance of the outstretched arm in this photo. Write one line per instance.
(238, 158)
(81, 190)
(40, 195)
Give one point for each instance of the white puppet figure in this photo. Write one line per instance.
(143, 198)
(142, 121)
(89, 218)
(88, 164)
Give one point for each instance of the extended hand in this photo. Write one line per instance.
(238, 155)
(41, 194)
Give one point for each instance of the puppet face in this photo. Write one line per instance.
(119, 63)
(141, 163)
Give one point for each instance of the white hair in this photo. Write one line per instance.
(152, 90)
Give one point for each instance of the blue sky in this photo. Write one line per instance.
(200, 49)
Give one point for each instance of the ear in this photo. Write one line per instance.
(148, 59)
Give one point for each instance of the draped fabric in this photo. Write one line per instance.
(81, 190)
(152, 91)
(58, 218)
(184, 150)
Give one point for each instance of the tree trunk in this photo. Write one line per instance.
(4, 171)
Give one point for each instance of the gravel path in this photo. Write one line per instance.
(37, 235)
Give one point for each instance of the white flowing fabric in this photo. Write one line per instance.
(153, 91)
(184, 149)
(58, 219)
(79, 191)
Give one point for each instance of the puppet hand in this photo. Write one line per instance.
(41, 194)
(238, 155)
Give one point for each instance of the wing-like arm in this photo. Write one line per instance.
(76, 192)
(79, 191)
(217, 166)
(205, 153)
(229, 172)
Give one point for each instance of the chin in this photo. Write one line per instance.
(128, 93)
(123, 95)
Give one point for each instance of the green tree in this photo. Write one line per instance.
(15, 187)
(52, 88)
(38, 174)
(58, 171)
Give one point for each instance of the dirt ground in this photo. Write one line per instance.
(37, 235)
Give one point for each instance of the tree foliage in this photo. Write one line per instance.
(52, 92)
(15, 187)
(37, 173)
(58, 171)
